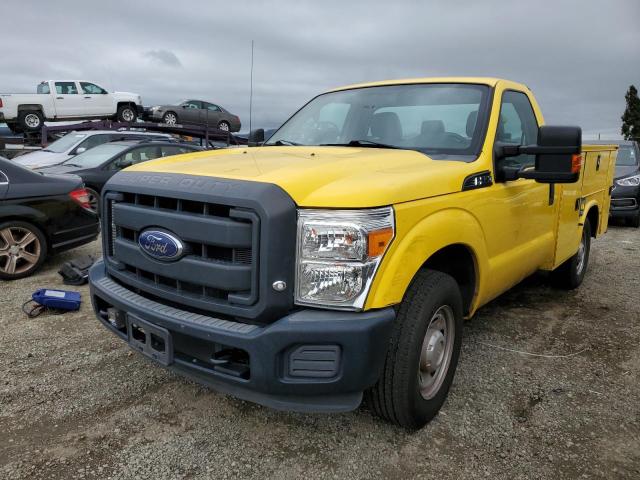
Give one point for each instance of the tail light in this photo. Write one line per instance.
(0, 103)
(81, 197)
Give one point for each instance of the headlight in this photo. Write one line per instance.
(633, 181)
(338, 253)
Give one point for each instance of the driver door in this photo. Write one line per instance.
(521, 212)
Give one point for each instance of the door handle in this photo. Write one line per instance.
(87, 98)
(598, 163)
(59, 98)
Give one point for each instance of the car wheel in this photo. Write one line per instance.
(224, 126)
(423, 352)
(94, 200)
(23, 248)
(170, 118)
(127, 113)
(30, 120)
(570, 274)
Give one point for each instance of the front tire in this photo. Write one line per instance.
(30, 120)
(127, 113)
(23, 249)
(170, 118)
(571, 273)
(423, 352)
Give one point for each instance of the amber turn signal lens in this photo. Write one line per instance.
(576, 163)
(379, 241)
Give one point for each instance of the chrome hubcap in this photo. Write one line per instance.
(127, 115)
(19, 250)
(32, 120)
(437, 348)
(170, 119)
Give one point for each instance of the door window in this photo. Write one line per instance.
(92, 89)
(169, 150)
(94, 141)
(212, 107)
(137, 155)
(517, 125)
(66, 88)
(192, 104)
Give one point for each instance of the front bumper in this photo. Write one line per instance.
(309, 361)
(625, 202)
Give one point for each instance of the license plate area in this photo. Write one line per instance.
(150, 340)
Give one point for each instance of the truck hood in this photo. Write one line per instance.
(346, 177)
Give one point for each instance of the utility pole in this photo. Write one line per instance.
(251, 89)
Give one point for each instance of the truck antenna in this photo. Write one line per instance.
(251, 88)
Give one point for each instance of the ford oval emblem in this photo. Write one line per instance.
(161, 245)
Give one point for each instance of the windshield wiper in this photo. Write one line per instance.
(362, 143)
(280, 143)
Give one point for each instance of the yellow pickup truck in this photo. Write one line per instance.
(340, 257)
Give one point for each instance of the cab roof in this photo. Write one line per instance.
(491, 81)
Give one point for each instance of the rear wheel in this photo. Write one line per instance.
(224, 126)
(570, 274)
(127, 113)
(23, 249)
(423, 352)
(30, 120)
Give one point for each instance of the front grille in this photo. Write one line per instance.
(218, 269)
(238, 236)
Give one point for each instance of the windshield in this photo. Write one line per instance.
(65, 143)
(96, 156)
(441, 120)
(626, 156)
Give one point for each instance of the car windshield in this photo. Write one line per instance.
(65, 143)
(96, 156)
(441, 120)
(626, 156)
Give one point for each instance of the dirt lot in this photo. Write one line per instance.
(75, 402)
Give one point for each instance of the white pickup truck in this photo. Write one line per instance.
(62, 100)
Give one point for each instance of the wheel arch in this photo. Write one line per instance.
(437, 242)
(593, 215)
(31, 218)
(30, 107)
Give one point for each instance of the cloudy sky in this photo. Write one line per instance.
(578, 56)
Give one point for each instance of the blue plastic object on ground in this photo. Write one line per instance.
(59, 299)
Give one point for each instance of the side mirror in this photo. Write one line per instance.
(80, 150)
(558, 156)
(256, 137)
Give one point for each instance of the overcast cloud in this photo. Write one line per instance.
(578, 57)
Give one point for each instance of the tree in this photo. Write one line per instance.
(631, 116)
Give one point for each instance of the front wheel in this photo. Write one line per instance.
(571, 273)
(127, 113)
(23, 249)
(170, 118)
(423, 352)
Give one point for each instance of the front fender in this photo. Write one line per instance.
(416, 243)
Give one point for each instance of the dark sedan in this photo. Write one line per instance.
(40, 215)
(195, 112)
(99, 164)
(625, 198)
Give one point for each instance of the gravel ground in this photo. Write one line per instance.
(75, 402)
